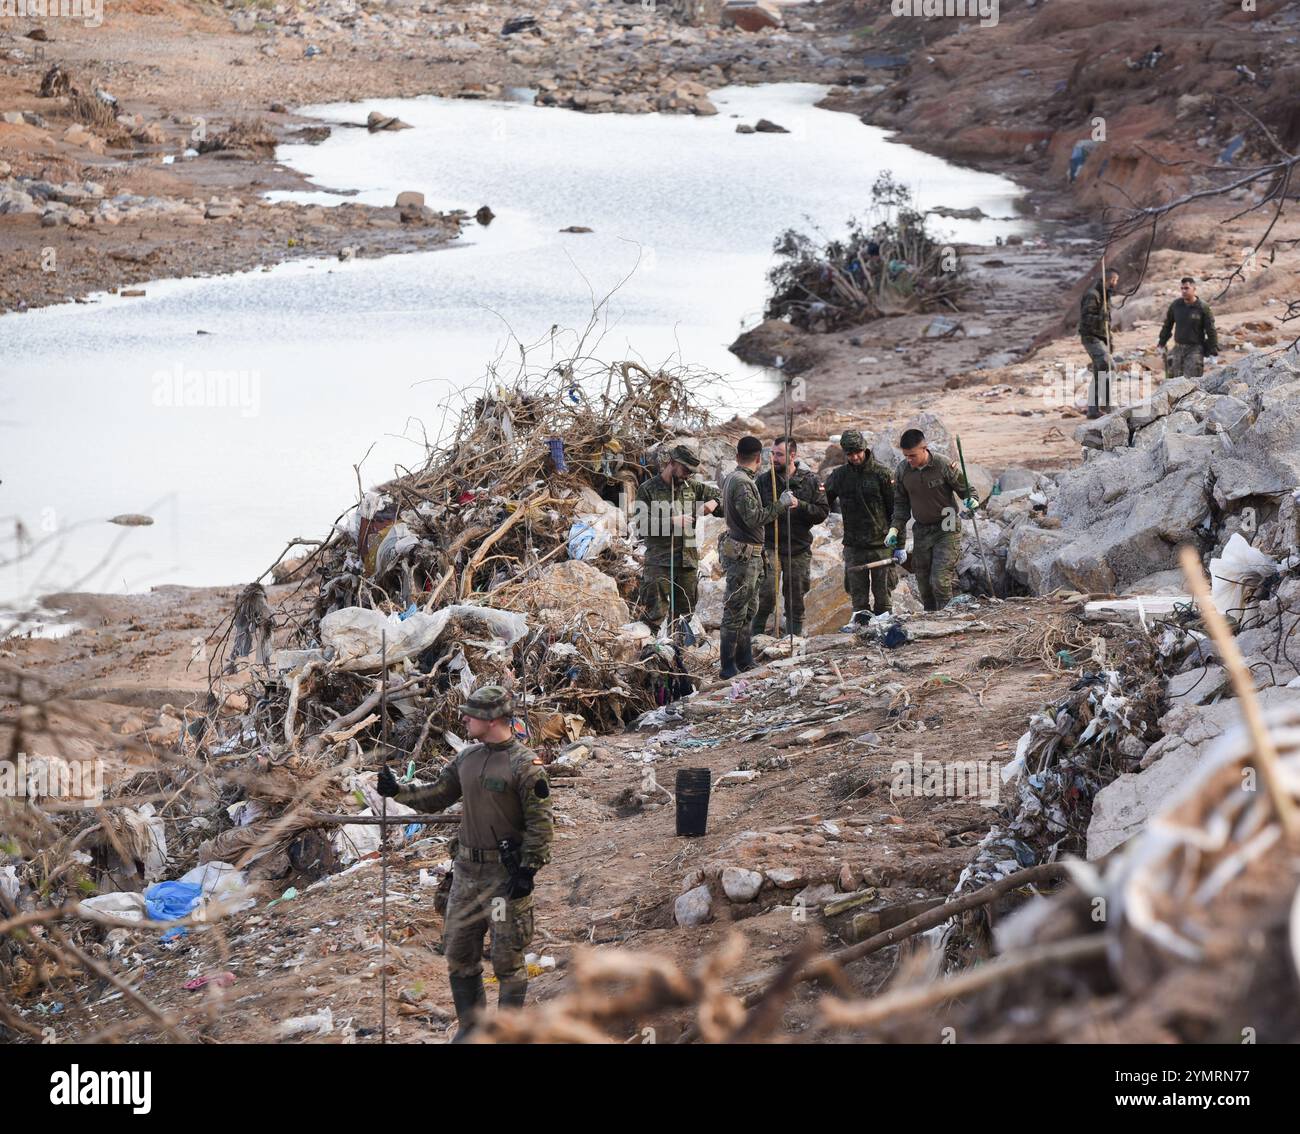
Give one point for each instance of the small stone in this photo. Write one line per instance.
(741, 885)
(786, 877)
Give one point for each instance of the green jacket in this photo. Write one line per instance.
(796, 534)
(743, 508)
(1192, 325)
(665, 517)
(1094, 315)
(507, 796)
(928, 493)
(865, 495)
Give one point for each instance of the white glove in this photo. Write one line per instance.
(788, 499)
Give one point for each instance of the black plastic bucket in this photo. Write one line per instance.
(693, 786)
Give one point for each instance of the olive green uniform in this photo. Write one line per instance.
(665, 518)
(741, 549)
(1195, 336)
(865, 494)
(790, 534)
(1094, 333)
(930, 496)
(506, 795)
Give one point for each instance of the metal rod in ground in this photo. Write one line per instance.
(979, 540)
(790, 580)
(383, 841)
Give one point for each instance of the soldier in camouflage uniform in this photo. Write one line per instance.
(926, 488)
(664, 516)
(504, 838)
(864, 491)
(1094, 333)
(1195, 336)
(792, 537)
(741, 553)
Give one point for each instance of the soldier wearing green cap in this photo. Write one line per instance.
(864, 491)
(666, 509)
(504, 838)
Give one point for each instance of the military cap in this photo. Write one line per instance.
(488, 703)
(685, 455)
(851, 441)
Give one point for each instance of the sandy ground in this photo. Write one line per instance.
(616, 874)
(617, 869)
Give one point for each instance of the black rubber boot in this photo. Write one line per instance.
(744, 651)
(1093, 413)
(727, 646)
(469, 997)
(511, 994)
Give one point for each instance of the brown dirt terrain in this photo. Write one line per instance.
(823, 743)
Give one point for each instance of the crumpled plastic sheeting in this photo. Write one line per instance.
(1057, 769)
(1239, 570)
(356, 633)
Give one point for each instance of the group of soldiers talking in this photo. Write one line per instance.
(770, 512)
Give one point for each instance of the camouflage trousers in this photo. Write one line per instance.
(741, 601)
(661, 586)
(794, 585)
(1185, 361)
(935, 553)
(478, 907)
(1099, 388)
(862, 586)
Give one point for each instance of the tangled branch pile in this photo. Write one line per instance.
(889, 263)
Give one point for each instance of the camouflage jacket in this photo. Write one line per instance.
(743, 508)
(865, 495)
(1094, 315)
(928, 493)
(507, 795)
(665, 517)
(796, 531)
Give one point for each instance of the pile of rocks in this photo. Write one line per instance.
(1198, 461)
(625, 58)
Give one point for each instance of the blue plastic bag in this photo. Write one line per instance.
(166, 901)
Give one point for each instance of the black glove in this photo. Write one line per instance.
(387, 783)
(521, 883)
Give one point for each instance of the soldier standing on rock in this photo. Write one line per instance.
(926, 489)
(504, 838)
(1094, 332)
(665, 518)
(1195, 336)
(741, 552)
(792, 543)
(864, 491)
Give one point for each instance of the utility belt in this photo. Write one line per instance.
(738, 550)
(472, 854)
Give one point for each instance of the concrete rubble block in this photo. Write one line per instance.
(1229, 415)
(1149, 436)
(741, 885)
(694, 907)
(1031, 557)
(786, 877)
(1110, 431)
(1197, 686)
(815, 896)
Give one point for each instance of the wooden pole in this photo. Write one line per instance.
(1265, 756)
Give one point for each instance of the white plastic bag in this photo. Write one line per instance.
(1240, 566)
